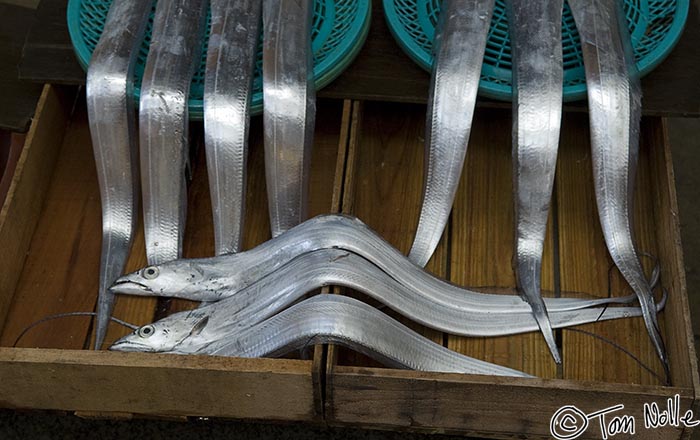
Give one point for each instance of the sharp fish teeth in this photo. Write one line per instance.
(113, 129)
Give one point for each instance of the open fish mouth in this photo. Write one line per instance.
(131, 346)
(130, 287)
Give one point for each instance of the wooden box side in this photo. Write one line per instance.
(25, 197)
(151, 384)
(684, 364)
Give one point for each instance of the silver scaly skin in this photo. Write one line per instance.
(538, 80)
(308, 272)
(228, 84)
(340, 320)
(163, 121)
(215, 278)
(290, 109)
(112, 119)
(614, 100)
(460, 42)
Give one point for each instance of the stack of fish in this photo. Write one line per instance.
(247, 296)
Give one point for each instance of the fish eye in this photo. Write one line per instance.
(146, 331)
(150, 273)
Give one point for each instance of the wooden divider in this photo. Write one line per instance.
(61, 270)
(680, 339)
(22, 206)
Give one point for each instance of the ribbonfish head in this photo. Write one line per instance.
(194, 279)
(163, 335)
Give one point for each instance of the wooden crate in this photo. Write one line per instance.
(366, 162)
(50, 233)
(382, 186)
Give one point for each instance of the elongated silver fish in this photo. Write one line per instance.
(340, 320)
(163, 118)
(184, 333)
(290, 109)
(614, 101)
(211, 279)
(460, 42)
(228, 84)
(110, 105)
(538, 80)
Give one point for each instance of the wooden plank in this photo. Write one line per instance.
(483, 406)
(21, 210)
(586, 264)
(321, 351)
(60, 273)
(482, 242)
(352, 112)
(679, 339)
(153, 384)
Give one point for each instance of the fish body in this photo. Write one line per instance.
(346, 321)
(228, 84)
(538, 80)
(460, 42)
(174, 54)
(452, 314)
(289, 112)
(112, 119)
(614, 101)
(215, 278)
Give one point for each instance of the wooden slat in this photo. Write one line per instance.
(352, 111)
(12, 150)
(61, 271)
(482, 406)
(585, 265)
(482, 242)
(25, 197)
(263, 389)
(679, 339)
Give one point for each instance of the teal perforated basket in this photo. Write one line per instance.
(339, 30)
(655, 26)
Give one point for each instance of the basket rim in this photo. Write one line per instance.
(325, 72)
(503, 92)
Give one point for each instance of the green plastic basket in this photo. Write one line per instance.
(655, 26)
(339, 30)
